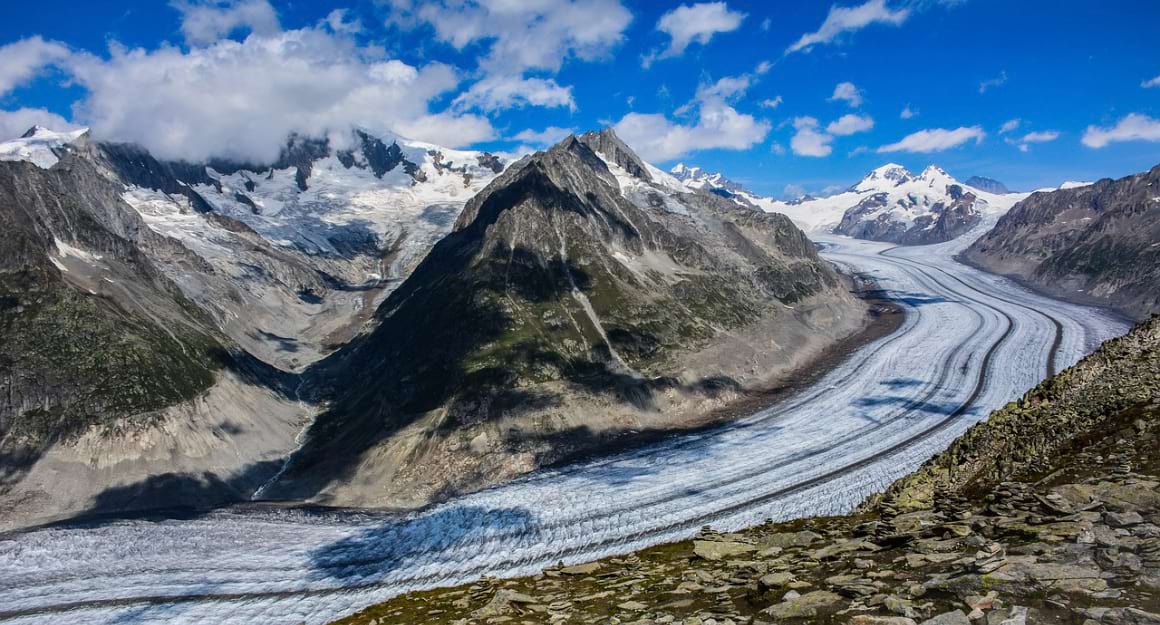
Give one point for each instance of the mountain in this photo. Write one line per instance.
(888, 204)
(583, 296)
(1044, 513)
(990, 185)
(1097, 243)
(896, 206)
(154, 313)
(109, 375)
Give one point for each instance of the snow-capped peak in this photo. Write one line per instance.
(884, 178)
(39, 146)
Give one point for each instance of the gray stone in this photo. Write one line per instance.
(956, 617)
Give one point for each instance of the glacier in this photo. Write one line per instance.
(970, 343)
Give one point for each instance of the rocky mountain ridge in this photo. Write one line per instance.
(1097, 243)
(582, 295)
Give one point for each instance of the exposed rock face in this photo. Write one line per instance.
(990, 185)
(1094, 243)
(574, 300)
(1069, 535)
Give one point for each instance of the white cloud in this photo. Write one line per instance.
(935, 140)
(777, 148)
(1010, 125)
(696, 23)
(16, 123)
(338, 22)
(497, 93)
(850, 124)
(770, 103)
(766, 24)
(847, 92)
(1133, 127)
(446, 129)
(849, 19)
(242, 99)
(808, 140)
(908, 113)
(993, 82)
(763, 67)
(23, 60)
(1148, 84)
(717, 125)
(519, 36)
(204, 22)
(726, 88)
(1024, 142)
(548, 136)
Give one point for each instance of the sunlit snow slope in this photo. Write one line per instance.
(970, 343)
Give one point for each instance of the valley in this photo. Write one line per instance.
(970, 342)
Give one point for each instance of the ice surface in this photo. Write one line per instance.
(867, 422)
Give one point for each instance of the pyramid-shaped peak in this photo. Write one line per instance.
(608, 145)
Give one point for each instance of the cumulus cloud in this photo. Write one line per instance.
(908, 113)
(15, 123)
(847, 92)
(935, 140)
(23, 60)
(842, 20)
(497, 93)
(717, 125)
(808, 140)
(1133, 127)
(1148, 84)
(696, 23)
(850, 124)
(770, 103)
(520, 36)
(1009, 126)
(993, 82)
(241, 99)
(204, 22)
(548, 136)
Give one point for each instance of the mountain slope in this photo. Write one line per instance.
(109, 377)
(142, 303)
(580, 296)
(1095, 243)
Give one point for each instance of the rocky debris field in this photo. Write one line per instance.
(1073, 542)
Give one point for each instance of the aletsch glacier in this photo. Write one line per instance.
(970, 343)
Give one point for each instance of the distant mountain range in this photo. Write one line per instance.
(888, 204)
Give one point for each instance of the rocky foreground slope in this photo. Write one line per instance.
(1097, 243)
(583, 297)
(1049, 512)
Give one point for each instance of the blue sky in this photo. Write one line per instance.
(682, 82)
